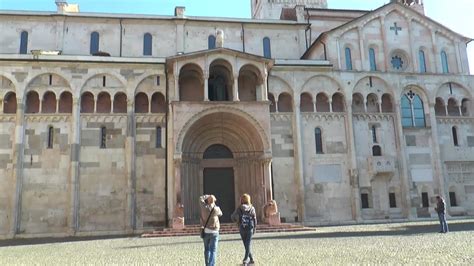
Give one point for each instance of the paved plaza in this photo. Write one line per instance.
(400, 243)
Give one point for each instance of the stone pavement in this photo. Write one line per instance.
(400, 243)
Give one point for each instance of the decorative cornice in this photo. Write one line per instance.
(281, 117)
(374, 116)
(103, 118)
(455, 120)
(7, 118)
(155, 118)
(47, 118)
(323, 116)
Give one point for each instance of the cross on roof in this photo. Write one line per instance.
(395, 28)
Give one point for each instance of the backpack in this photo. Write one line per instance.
(246, 221)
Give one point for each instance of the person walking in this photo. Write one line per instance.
(441, 210)
(246, 218)
(210, 214)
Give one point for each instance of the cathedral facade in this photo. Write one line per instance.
(115, 123)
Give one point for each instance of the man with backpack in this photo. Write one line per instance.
(246, 218)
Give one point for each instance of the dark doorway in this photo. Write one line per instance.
(220, 183)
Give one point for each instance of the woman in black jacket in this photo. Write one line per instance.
(246, 217)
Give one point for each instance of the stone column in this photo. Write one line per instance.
(437, 167)
(271, 210)
(265, 85)
(379, 103)
(435, 54)
(353, 170)
(57, 105)
(405, 181)
(384, 39)
(130, 223)
(18, 152)
(75, 140)
(412, 50)
(206, 86)
(330, 105)
(298, 161)
(235, 92)
(178, 213)
(362, 50)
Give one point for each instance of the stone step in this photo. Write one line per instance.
(195, 230)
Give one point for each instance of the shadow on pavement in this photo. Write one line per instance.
(396, 231)
(52, 240)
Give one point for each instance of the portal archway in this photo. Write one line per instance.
(227, 149)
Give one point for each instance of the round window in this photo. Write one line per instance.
(398, 61)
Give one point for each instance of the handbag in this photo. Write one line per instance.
(202, 229)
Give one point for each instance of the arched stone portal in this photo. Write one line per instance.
(245, 168)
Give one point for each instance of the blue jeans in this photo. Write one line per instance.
(210, 248)
(443, 223)
(246, 235)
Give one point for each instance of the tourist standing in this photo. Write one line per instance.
(246, 217)
(210, 214)
(441, 209)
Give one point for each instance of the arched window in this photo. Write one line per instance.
(374, 134)
(103, 103)
(50, 137)
(376, 150)
(24, 42)
(455, 136)
(413, 114)
(465, 107)
(373, 64)
(453, 109)
(318, 136)
(94, 48)
(211, 42)
(444, 62)
(141, 103)
(65, 102)
(271, 98)
(217, 151)
(348, 58)
(120, 103)
(87, 102)
(147, 44)
(158, 138)
(440, 109)
(422, 59)
(322, 103)
(285, 103)
(32, 103)
(338, 102)
(158, 103)
(103, 137)
(48, 105)
(267, 49)
(387, 106)
(306, 102)
(9, 103)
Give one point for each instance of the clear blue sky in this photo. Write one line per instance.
(457, 15)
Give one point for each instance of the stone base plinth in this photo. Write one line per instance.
(178, 223)
(274, 219)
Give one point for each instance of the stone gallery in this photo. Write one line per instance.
(116, 123)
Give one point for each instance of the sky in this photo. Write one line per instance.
(457, 15)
